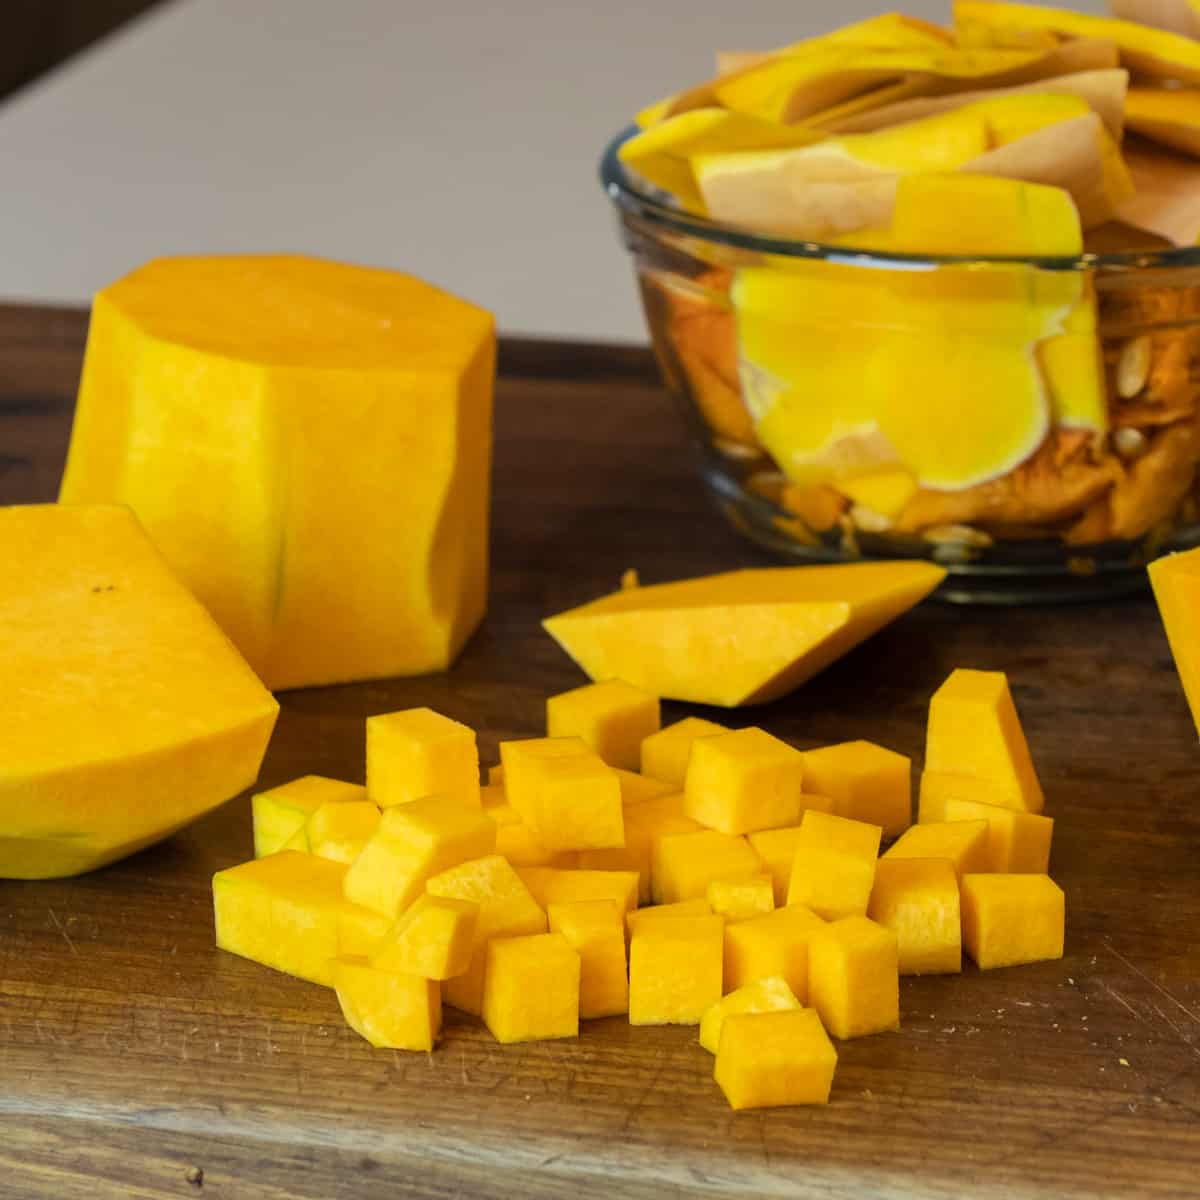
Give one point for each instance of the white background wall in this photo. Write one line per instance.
(456, 140)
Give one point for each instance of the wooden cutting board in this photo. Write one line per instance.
(134, 1055)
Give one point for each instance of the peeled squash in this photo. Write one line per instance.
(309, 445)
(745, 637)
(127, 713)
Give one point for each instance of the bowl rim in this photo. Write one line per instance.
(630, 198)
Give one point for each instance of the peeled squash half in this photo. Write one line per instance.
(127, 712)
(744, 637)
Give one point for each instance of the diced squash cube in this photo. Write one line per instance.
(773, 1059)
(743, 781)
(612, 717)
(740, 899)
(568, 797)
(866, 783)
(684, 864)
(493, 795)
(773, 944)
(281, 911)
(495, 775)
(531, 988)
(1017, 842)
(645, 823)
(666, 912)
(917, 899)
(503, 814)
(506, 909)
(675, 970)
(360, 930)
(390, 1009)
(974, 730)
(413, 842)
(417, 753)
(665, 754)
(833, 867)
(519, 844)
(636, 789)
(596, 932)
(1012, 919)
(854, 978)
(777, 848)
(280, 815)
(340, 830)
(517, 764)
(434, 939)
(964, 843)
(936, 786)
(763, 995)
(550, 885)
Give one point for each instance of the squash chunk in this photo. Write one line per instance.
(281, 911)
(596, 932)
(645, 823)
(741, 899)
(854, 978)
(974, 730)
(917, 899)
(665, 754)
(743, 781)
(612, 717)
(127, 713)
(666, 912)
(506, 909)
(433, 939)
(866, 783)
(677, 640)
(281, 814)
(520, 845)
(309, 445)
(340, 830)
(531, 988)
(771, 994)
(1176, 582)
(1012, 919)
(833, 868)
(963, 843)
(1017, 842)
(413, 842)
(388, 1008)
(766, 1060)
(549, 885)
(568, 796)
(777, 847)
(684, 864)
(674, 970)
(517, 764)
(417, 753)
(636, 788)
(360, 930)
(773, 944)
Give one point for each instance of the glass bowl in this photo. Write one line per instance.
(1033, 425)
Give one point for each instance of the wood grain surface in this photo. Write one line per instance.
(133, 1054)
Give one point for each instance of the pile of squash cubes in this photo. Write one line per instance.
(690, 875)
